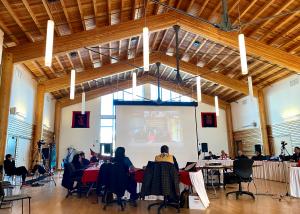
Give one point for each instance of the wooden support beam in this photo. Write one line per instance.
(96, 73)
(101, 35)
(57, 129)
(231, 147)
(155, 23)
(141, 81)
(5, 92)
(263, 122)
(38, 133)
(207, 74)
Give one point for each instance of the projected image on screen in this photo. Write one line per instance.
(155, 127)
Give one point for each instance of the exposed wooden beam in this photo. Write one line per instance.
(98, 36)
(141, 81)
(81, 14)
(263, 122)
(95, 11)
(158, 22)
(229, 125)
(108, 12)
(57, 120)
(66, 15)
(207, 74)
(50, 15)
(17, 20)
(5, 94)
(96, 73)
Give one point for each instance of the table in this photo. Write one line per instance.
(194, 179)
(295, 181)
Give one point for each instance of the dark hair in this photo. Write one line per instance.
(297, 147)
(81, 154)
(8, 156)
(164, 149)
(76, 159)
(120, 152)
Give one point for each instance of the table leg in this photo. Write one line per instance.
(22, 206)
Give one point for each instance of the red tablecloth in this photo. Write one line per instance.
(90, 176)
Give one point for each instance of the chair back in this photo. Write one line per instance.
(67, 180)
(243, 167)
(2, 194)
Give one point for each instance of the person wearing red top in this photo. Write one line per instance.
(223, 155)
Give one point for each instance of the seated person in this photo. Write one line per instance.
(223, 155)
(211, 155)
(10, 168)
(166, 157)
(258, 156)
(131, 185)
(241, 155)
(296, 156)
(85, 162)
(94, 158)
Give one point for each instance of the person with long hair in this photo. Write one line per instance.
(121, 158)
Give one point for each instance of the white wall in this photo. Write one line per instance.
(49, 112)
(244, 113)
(23, 92)
(215, 137)
(81, 139)
(283, 100)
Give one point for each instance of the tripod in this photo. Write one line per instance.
(284, 152)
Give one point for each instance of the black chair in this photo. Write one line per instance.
(112, 179)
(8, 199)
(242, 172)
(162, 178)
(69, 177)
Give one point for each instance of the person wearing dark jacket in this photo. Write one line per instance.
(258, 156)
(166, 157)
(85, 162)
(296, 156)
(241, 155)
(11, 169)
(127, 164)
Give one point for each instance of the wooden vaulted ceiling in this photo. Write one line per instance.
(24, 22)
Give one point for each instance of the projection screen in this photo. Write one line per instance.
(142, 130)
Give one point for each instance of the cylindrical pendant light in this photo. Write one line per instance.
(83, 103)
(146, 48)
(72, 84)
(134, 85)
(199, 97)
(243, 54)
(217, 105)
(250, 86)
(49, 43)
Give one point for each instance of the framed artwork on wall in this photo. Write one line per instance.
(81, 120)
(209, 119)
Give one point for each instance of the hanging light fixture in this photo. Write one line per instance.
(72, 84)
(146, 48)
(243, 54)
(199, 97)
(83, 103)
(134, 85)
(49, 43)
(217, 106)
(250, 86)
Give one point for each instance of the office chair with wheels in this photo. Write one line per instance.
(242, 172)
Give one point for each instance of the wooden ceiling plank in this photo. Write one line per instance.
(137, 46)
(33, 16)
(248, 7)
(162, 40)
(189, 46)
(285, 32)
(66, 15)
(108, 12)
(17, 20)
(259, 12)
(202, 7)
(190, 5)
(8, 32)
(50, 15)
(96, 11)
(81, 14)
(132, 28)
(285, 5)
(154, 41)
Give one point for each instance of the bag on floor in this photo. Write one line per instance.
(184, 199)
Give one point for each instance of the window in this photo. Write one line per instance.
(107, 104)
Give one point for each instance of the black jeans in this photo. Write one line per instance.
(131, 188)
(21, 171)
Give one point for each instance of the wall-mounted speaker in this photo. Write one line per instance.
(257, 147)
(204, 147)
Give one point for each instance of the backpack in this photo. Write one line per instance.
(184, 199)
